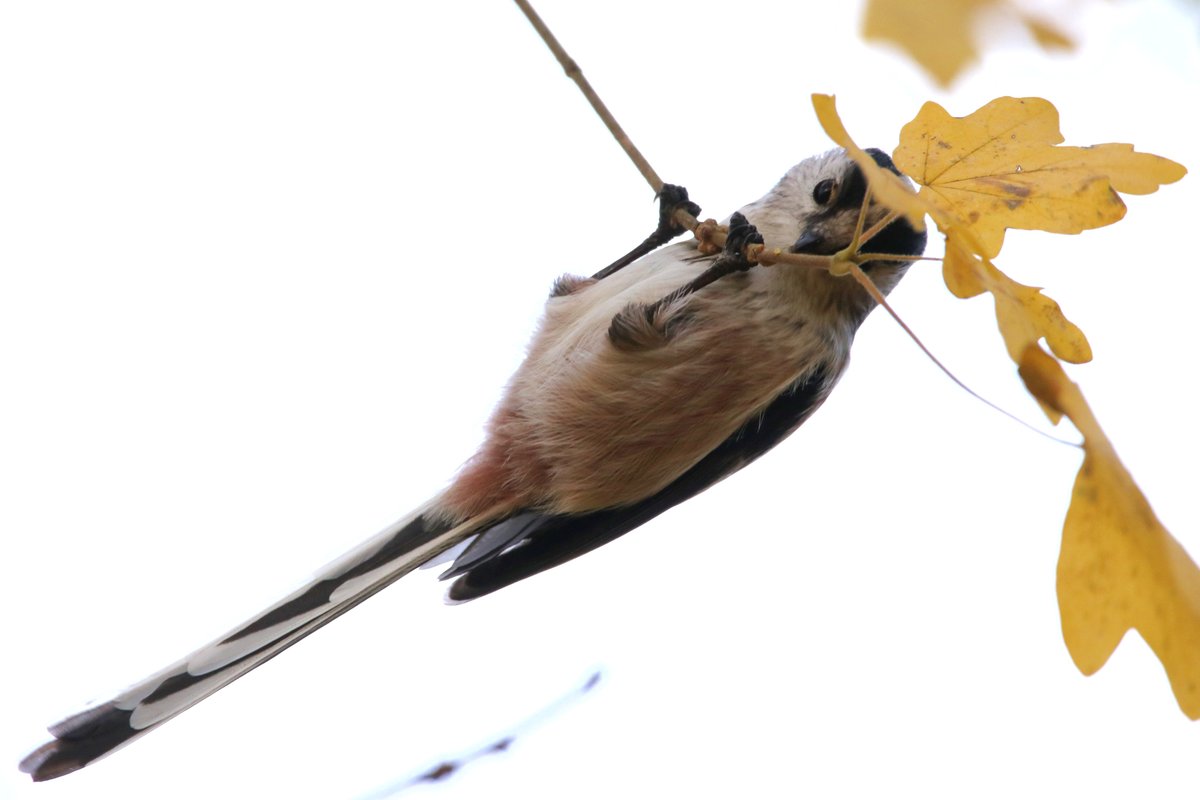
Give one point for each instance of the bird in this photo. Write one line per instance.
(643, 385)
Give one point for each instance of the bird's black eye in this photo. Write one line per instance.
(823, 192)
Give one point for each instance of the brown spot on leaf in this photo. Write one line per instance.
(1008, 187)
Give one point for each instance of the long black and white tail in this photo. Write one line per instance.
(96, 732)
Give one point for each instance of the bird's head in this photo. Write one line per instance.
(815, 208)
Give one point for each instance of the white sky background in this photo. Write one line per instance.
(266, 265)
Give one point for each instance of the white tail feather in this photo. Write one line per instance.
(334, 590)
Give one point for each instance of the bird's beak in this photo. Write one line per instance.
(809, 242)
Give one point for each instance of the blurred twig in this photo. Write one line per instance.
(448, 767)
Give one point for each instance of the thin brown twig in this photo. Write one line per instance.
(691, 223)
(770, 256)
(576, 74)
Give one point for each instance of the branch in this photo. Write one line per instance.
(576, 74)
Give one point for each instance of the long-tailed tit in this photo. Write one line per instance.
(643, 386)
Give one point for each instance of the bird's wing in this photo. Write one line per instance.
(530, 542)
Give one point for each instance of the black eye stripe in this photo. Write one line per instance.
(854, 188)
(854, 184)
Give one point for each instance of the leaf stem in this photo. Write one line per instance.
(865, 257)
(865, 281)
(857, 241)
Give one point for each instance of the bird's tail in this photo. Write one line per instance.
(89, 735)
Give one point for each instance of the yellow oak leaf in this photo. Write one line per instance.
(1127, 170)
(1023, 313)
(1119, 568)
(999, 168)
(940, 35)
